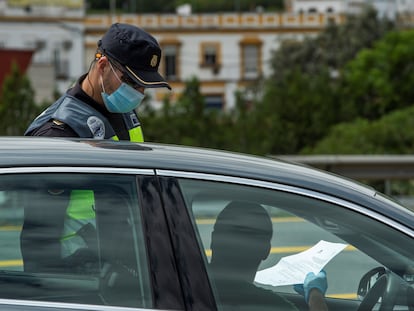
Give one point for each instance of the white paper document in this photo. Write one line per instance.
(293, 269)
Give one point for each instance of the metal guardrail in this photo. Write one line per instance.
(367, 167)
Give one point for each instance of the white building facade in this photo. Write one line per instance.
(225, 52)
(54, 29)
(386, 8)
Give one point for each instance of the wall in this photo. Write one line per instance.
(21, 57)
(57, 45)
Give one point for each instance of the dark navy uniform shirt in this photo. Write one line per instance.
(54, 128)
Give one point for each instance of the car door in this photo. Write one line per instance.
(84, 238)
(243, 226)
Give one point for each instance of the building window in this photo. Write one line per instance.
(40, 45)
(210, 55)
(214, 101)
(251, 58)
(251, 61)
(61, 66)
(52, 251)
(170, 62)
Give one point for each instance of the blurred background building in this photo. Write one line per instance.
(54, 30)
(226, 51)
(386, 8)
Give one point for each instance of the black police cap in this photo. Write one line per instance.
(137, 51)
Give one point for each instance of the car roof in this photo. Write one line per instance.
(42, 151)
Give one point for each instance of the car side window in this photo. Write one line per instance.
(73, 238)
(245, 229)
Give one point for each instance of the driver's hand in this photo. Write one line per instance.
(312, 281)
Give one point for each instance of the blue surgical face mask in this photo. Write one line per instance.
(124, 99)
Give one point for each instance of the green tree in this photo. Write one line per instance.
(17, 106)
(296, 112)
(335, 46)
(376, 85)
(380, 79)
(303, 97)
(198, 6)
(212, 6)
(185, 122)
(189, 122)
(390, 134)
(193, 123)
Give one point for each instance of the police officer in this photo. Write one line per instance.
(101, 104)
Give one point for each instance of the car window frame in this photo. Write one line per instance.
(190, 262)
(164, 283)
(17, 304)
(364, 210)
(291, 189)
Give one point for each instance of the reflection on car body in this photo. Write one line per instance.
(144, 237)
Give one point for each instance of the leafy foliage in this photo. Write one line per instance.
(332, 48)
(379, 80)
(377, 91)
(17, 106)
(188, 122)
(184, 122)
(297, 111)
(316, 84)
(390, 134)
(232, 6)
(304, 96)
(198, 6)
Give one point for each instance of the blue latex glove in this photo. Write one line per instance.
(318, 281)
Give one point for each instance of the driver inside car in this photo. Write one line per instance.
(240, 241)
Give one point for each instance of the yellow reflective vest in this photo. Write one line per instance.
(81, 211)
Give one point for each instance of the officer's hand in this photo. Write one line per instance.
(312, 281)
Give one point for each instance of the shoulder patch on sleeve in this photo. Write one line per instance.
(97, 127)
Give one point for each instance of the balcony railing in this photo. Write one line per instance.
(217, 21)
